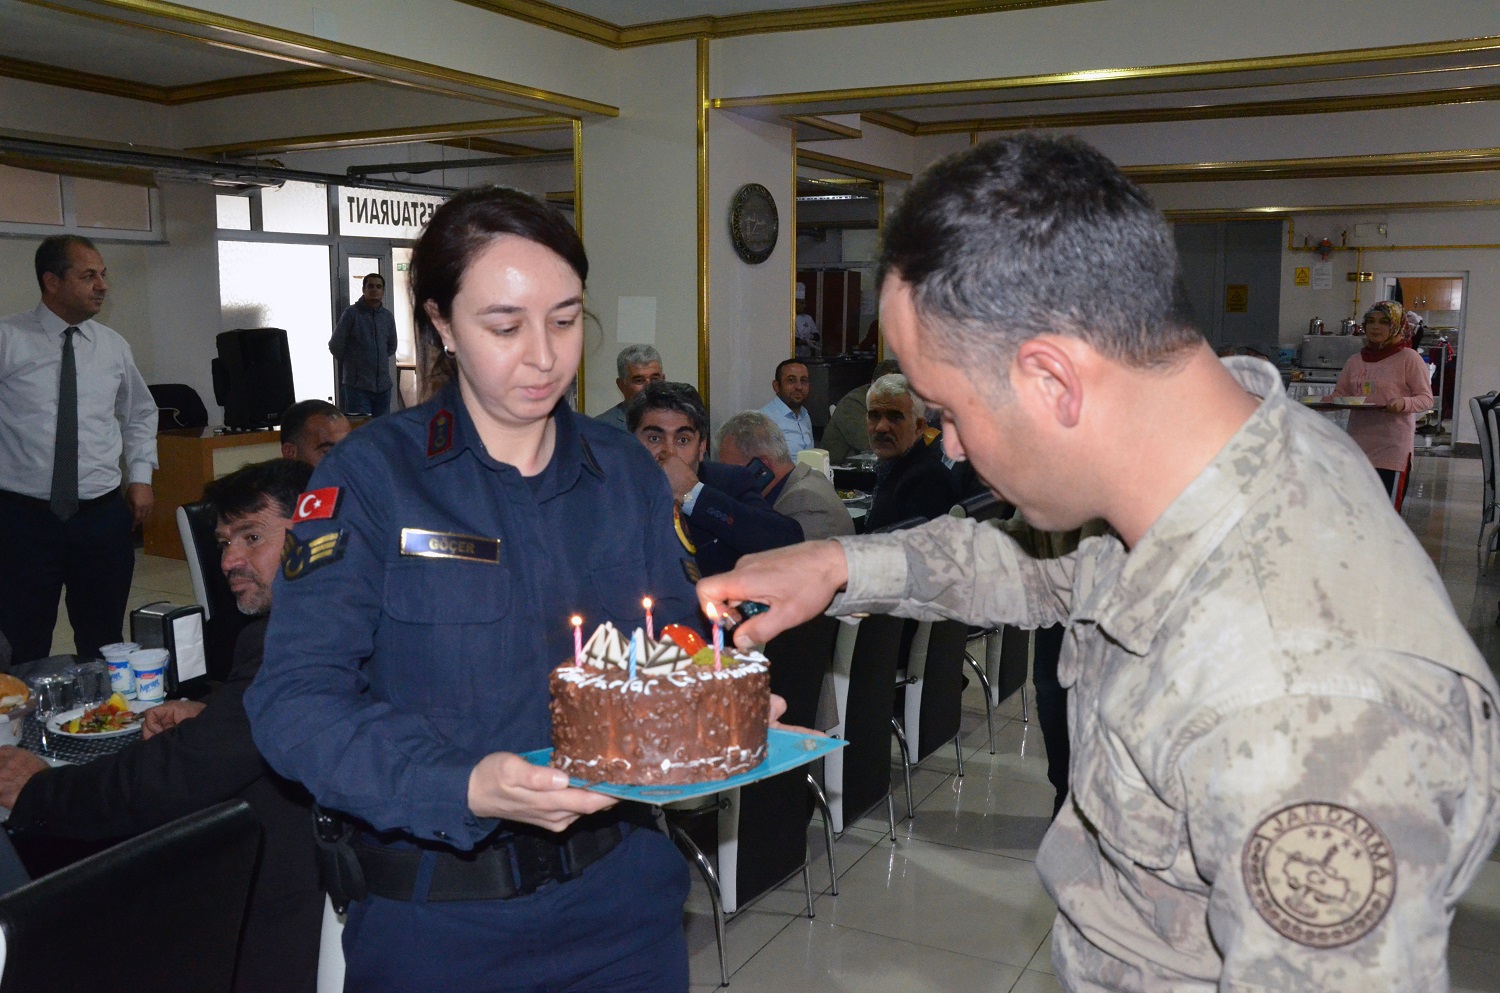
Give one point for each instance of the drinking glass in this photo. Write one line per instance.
(92, 680)
(55, 694)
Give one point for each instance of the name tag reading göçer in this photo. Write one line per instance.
(440, 545)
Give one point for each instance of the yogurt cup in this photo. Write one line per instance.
(149, 667)
(117, 657)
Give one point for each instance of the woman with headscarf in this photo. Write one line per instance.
(1395, 386)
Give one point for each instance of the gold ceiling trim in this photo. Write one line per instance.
(266, 82)
(236, 34)
(1214, 112)
(1190, 214)
(214, 89)
(1210, 68)
(830, 128)
(846, 15)
(1194, 88)
(848, 167)
(891, 121)
(1331, 167)
(382, 136)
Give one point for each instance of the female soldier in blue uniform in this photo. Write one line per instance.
(425, 595)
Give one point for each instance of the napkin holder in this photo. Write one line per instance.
(179, 630)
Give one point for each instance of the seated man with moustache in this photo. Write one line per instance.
(910, 478)
(193, 755)
(721, 505)
(310, 429)
(795, 489)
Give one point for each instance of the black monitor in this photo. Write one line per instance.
(253, 377)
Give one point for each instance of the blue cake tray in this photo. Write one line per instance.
(784, 750)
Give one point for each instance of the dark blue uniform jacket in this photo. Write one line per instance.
(731, 518)
(390, 671)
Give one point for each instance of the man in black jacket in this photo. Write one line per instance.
(726, 516)
(910, 478)
(193, 755)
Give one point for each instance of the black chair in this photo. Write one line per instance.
(932, 689)
(763, 827)
(184, 884)
(178, 405)
(222, 620)
(1482, 410)
(865, 774)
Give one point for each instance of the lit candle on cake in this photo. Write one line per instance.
(713, 615)
(577, 640)
(650, 628)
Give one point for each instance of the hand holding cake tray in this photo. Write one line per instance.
(655, 721)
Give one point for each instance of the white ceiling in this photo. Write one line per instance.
(37, 34)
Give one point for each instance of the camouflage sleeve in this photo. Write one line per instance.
(954, 569)
(1336, 834)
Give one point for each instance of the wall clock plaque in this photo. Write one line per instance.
(753, 223)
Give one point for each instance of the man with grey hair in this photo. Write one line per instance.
(910, 478)
(791, 488)
(637, 366)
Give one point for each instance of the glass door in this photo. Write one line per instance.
(359, 258)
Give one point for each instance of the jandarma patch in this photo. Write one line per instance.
(1321, 874)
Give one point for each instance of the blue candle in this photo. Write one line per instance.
(634, 641)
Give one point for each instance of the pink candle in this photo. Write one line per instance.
(577, 640)
(650, 628)
(713, 615)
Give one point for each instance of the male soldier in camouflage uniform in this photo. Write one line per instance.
(1280, 780)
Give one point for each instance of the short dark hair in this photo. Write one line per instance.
(677, 397)
(457, 232)
(1030, 235)
(783, 364)
(294, 419)
(277, 482)
(369, 276)
(55, 254)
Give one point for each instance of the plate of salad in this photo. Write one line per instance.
(111, 719)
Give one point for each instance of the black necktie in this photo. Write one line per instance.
(65, 454)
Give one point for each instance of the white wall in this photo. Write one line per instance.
(640, 213)
(750, 306)
(163, 298)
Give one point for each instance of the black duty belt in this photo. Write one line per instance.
(46, 505)
(514, 866)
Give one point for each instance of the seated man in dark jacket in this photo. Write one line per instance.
(722, 505)
(910, 478)
(192, 755)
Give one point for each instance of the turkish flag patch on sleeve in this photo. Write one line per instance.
(316, 505)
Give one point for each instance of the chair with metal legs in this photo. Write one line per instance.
(759, 832)
(863, 680)
(932, 686)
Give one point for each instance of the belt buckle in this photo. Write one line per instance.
(537, 863)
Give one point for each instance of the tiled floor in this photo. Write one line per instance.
(955, 904)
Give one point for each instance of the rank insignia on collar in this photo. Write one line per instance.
(317, 505)
(690, 570)
(682, 534)
(439, 433)
(298, 558)
(442, 545)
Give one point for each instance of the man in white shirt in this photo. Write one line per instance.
(71, 404)
(787, 412)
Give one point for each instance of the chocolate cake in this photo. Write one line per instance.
(680, 720)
